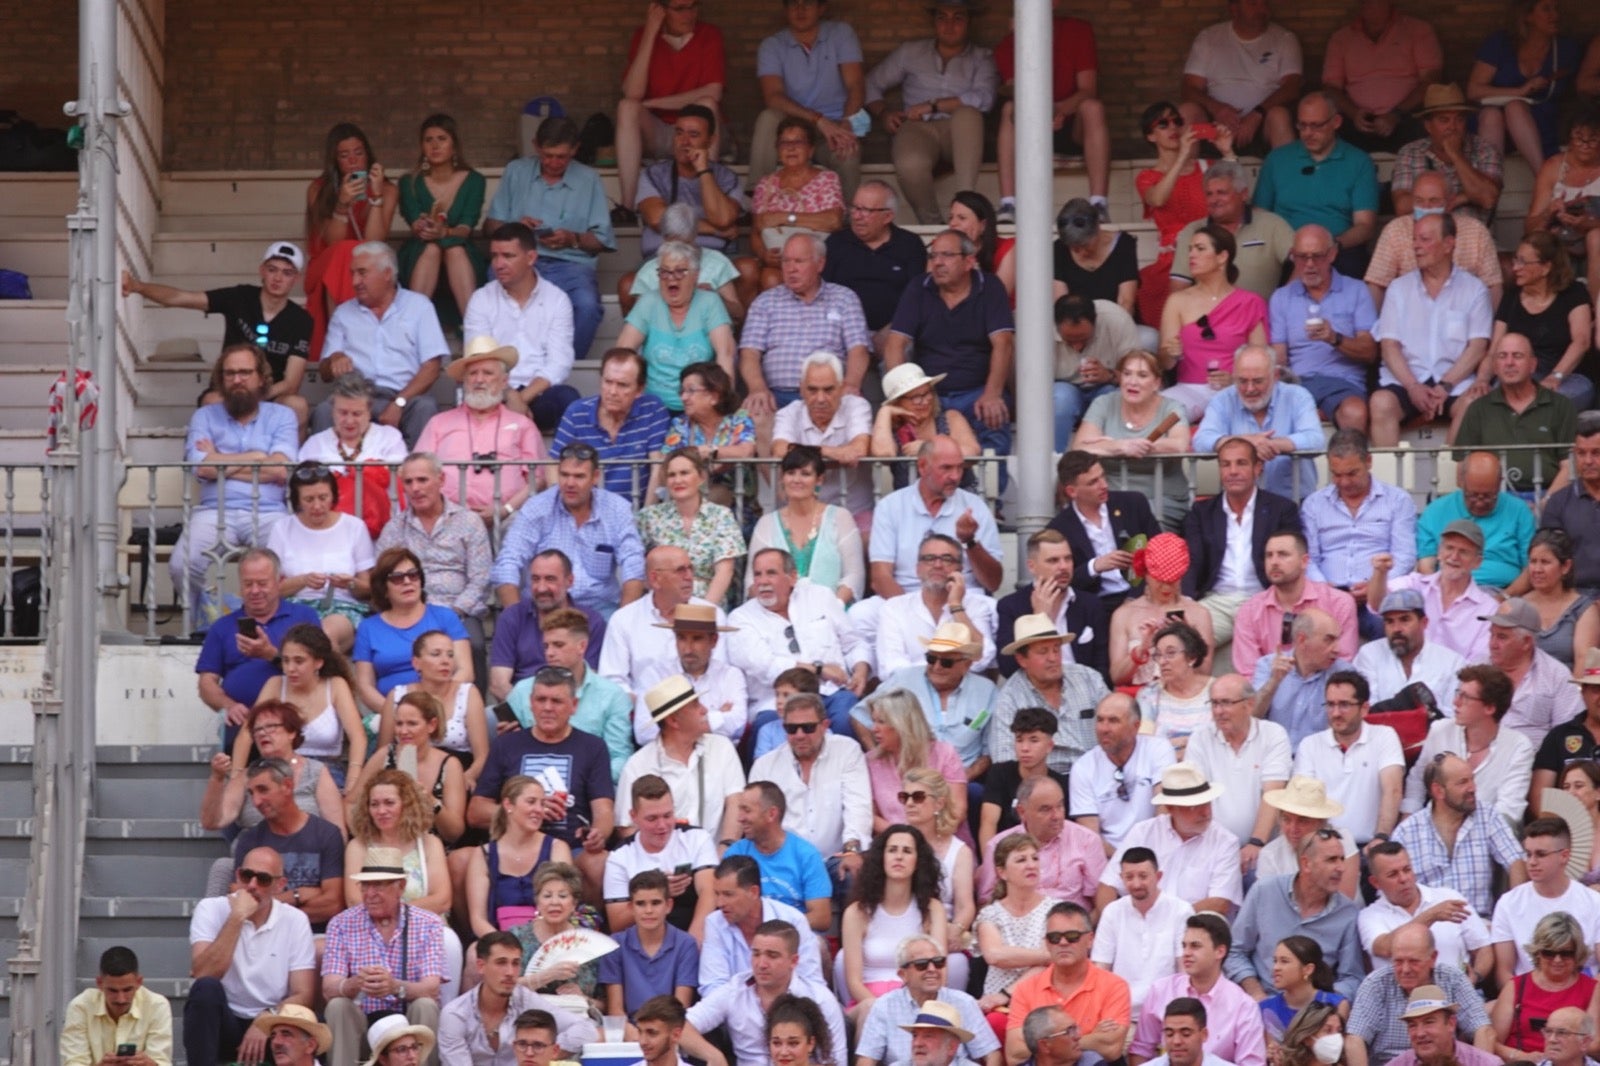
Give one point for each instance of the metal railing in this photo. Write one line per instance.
(161, 498)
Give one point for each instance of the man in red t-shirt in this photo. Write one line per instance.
(1079, 116)
(673, 60)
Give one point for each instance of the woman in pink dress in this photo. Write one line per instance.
(349, 202)
(1173, 193)
(1202, 326)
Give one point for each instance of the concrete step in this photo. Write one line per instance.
(34, 202)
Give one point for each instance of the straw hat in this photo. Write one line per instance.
(952, 638)
(695, 618)
(388, 1029)
(297, 1017)
(1184, 785)
(907, 377)
(381, 864)
(1591, 668)
(1032, 628)
(1445, 97)
(1305, 796)
(668, 697)
(477, 350)
(939, 1016)
(1425, 1000)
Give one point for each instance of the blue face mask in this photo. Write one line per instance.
(1420, 213)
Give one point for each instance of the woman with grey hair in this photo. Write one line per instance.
(1092, 261)
(680, 325)
(1557, 980)
(354, 438)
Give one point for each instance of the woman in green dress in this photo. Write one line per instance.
(442, 203)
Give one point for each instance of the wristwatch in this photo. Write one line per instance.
(400, 402)
(793, 218)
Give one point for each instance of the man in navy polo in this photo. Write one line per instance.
(958, 322)
(241, 649)
(874, 258)
(623, 422)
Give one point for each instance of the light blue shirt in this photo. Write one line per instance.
(1297, 705)
(273, 430)
(668, 348)
(577, 202)
(726, 952)
(1347, 307)
(963, 723)
(923, 74)
(811, 76)
(1291, 414)
(389, 350)
(1342, 545)
(605, 551)
(1507, 532)
(902, 519)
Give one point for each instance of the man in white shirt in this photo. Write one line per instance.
(836, 423)
(1362, 765)
(1546, 846)
(824, 778)
(531, 315)
(1502, 759)
(1460, 937)
(634, 637)
(1138, 936)
(701, 767)
(731, 927)
(1251, 754)
(1114, 783)
(1405, 655)
(742, 1004)
(1199, 858)
(787, 623)
(696, 631)
(685, 853)
(942, 596)
(1244, 74)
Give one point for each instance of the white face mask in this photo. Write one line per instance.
(1327, 1048)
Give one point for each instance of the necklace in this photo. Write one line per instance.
(352, 455)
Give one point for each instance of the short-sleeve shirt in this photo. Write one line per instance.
(811, 76)
(388, 647)
(663, 180)
(1433, 332)
(676, 964)
(577, 202)
(1379, 74)
(1549, 331)
(1351, 776)
(264, 956)
(1072, 52)
(581, 760)
(287, 335)
(687, 846)
(1264, 241)
(1346, 307)
(1337, 186)
(642, 433)
(312, 854)
(1104, 281)
(242, 675)
(1518, 911)
(1550, 418)
(786, 329)
(876, 275)
(1103, 996)
(669, 347)
(954, 341)
(1243, 73)
(793, 874)
(1395, 253)
(1418, 157)
(700, 62)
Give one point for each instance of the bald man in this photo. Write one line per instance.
(1475, 250)
(1323, 324)
(1524, 409)
(1506, 522)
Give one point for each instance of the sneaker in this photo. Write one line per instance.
(624, 216)
(1103, 211)
(1007, 215)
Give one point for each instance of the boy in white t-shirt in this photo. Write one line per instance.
(1546, 845)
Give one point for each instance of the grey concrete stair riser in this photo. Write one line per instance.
(162, 953)
(172, 868)
(152, 798)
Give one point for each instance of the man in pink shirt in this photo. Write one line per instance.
(1071, 858)
(483, 430)
(1259, 630)
(1376, 69)
(1233, 1018)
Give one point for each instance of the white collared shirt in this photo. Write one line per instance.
(835, 805)
(1193, 869)
(721, 690)
(1238, 571)
(633, 642)
(1104, 540)
(1094, 785)
(852, 488)
(700, 787)
(761, 645)
(905, 618)
(540, 330)
(1435, 666)
(1139, 948)
(264, 956)
(1264, 756)
(738, 1006)
(1502, 777)
(1352, 777)
(1455, 941)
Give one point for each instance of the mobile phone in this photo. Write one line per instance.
(1205, 131)
(544, 232)
(127, 1050)
(249, 628)
(1286, 638)
(503, 711)
(1177, 616)
(683, 868)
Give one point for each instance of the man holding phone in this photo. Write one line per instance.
(118, 1022)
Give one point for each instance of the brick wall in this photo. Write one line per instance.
(257, 86)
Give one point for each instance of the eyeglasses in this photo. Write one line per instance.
(1521, 262)
(1549, 955)
(1228, 703)
(1560, 1034)
(946, 661)
(1311, 257)
(260, 877)
(1170, 122)
(1071, 1030)
(1071, 936)
(250, 373)
(580, 451)
(1165, 655)
(530, 1047)
(1303, 126)
(857, 209)
(675, 274)
(946, 560)
(265, 727)
(800, 727)
(307, 472)
(919, 796)
(1532, 854)
(412, 1047)
(921, 965)
(691, 390)
(547, 675)
(404, 577)
(794, 645)
(1206, 332)
(1122, 784)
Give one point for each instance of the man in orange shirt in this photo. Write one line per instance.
(1073, 984)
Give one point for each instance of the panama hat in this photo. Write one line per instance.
(939, 1016)
(695, 618)
(392, 1027)
(952, 638)
(297, 1017)
(381, 864)
(1032, 628)
(1305, 796)
(1184, 785)
(477, 350)
(1437, 99)
(907, 377)
(668, 697)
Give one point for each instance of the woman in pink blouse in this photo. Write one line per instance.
(902, 742)
(797, 197)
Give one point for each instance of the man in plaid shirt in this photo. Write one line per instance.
(382, 957)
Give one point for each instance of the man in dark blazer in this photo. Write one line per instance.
(1098, 524)
(1213, 579)
(1051, 593)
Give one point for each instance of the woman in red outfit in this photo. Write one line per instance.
(349, 202)
(1173, 193)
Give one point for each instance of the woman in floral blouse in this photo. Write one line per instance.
(798, 197)
(707, 531)
(713, 422)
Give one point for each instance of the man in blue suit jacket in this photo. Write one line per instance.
(1051, 593)
(1098, 523)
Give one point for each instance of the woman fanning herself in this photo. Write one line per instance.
(349, 202)
(1203, 325)
(417, 724)
(1581, 780)
(318, 681)
(896, 896)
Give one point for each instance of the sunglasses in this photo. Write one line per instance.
(794, 645)
(1206, 332)
(404, 577)
(1071, 936)
(547, 674)
(946, 661)
(308, 472)
(260, 877)
(583, 452)
(801, 727)
(1565, 953)
(1122, 784)
(1171, 122)
(919, 796)
(921, 965)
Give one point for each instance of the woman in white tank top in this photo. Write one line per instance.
(317, 680)
(466, 730)
(937, 822)
(896, 895)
